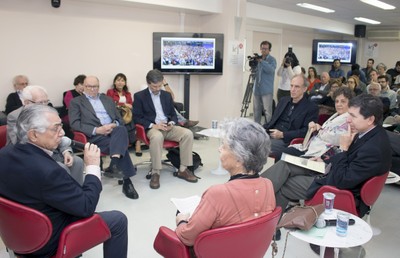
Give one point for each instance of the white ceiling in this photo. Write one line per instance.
(345, 11)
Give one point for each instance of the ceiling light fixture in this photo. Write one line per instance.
(379, 4)
(366, 20)
(316, 7)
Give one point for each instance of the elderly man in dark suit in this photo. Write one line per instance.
(14, 100)
(363, 154)
(36, 180)
(291, 117)
(97, 117)
(154, 109)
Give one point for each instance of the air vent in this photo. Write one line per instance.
(384, 34)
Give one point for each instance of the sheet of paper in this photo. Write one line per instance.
(186, 205)
(305, 163)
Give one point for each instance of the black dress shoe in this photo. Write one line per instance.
(277, 235)
(129, 190)
(138, 154)
(113, 171)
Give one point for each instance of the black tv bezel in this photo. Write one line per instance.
(219, 47)
(353, 57)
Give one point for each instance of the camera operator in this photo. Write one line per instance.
(288, 69)
(264, 83)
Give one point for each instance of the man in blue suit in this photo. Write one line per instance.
(291, 117)
(153, 108)
(30, 176)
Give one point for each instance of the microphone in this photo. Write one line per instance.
(321, 223)
(77, 145)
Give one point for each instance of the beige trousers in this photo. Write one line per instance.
(179, 134)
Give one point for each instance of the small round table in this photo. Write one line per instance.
(209, 132)
(357, 234)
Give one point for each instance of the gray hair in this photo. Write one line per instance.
(248, 141)
(15, 79)
(32, 117)
(29, 90)
(154, 76)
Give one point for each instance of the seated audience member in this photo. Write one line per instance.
(178, 106)
(97, 117)
(153, 108)
(291, 117)
(67, 97)
(243, 153)
(336, 72)
(361, 75)
(327, 103)
(41, 184)
(312, 78)
(353, 83)
(386, 92)
(361, 85)
(14, 100)
(122, 97)
(321, 89)
(394, 139)
(328, 135)
(381, 69)
(37, 95)
(367, 70)
(375, 90)
(363, 153)
(394, 73)
(373, 75)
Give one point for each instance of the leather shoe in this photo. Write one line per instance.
(155, 181)
(187, 175)
(190, 123)
(129, 190)
(113, 171)
(138, 154)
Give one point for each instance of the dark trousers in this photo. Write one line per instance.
(117, 143)
(117, 245)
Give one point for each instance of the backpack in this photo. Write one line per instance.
(173, 156)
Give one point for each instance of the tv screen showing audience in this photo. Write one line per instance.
(325, 51)
(194, 53)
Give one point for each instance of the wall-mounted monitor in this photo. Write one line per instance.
(325, 51)
(188, 53)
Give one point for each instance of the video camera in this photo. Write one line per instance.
(253, 60)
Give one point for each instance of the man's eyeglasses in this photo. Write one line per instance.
(44, 102)
(56, 128)
(92, 87)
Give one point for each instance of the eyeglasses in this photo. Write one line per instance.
(44, 102)
(92, 87)
(57, 128)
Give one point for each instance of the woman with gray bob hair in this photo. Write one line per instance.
(32, 117)
(246, 196)
(248, 141)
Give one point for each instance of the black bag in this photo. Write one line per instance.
(173, 156)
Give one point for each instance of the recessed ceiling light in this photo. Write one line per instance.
(366, 20)
(316, 7)
(379, 4)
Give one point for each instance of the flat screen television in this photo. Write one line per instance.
(325, 51)
(188, 53)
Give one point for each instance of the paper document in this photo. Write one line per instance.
(186, 205)
(305, 163)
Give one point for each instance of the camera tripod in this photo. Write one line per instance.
(248, 93)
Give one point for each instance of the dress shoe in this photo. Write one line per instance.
(113, 171)
(277, 235)
(138, 153)
(155, 181)
(190, 123)
(129, 190)
(187, 175)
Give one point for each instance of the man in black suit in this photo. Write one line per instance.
(363, 154)
(36, 180)
(154, 109)
(14, 100)
(320, 89)
(291, 116)
(97, 117)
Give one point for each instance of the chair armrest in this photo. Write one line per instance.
(168, 245)
(81, 236)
